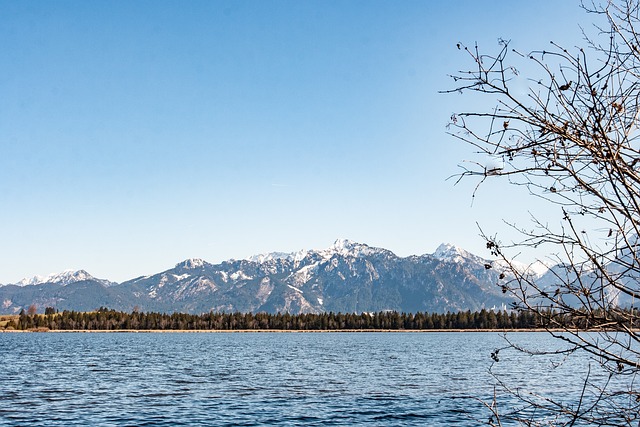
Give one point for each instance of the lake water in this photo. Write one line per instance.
(253, 379)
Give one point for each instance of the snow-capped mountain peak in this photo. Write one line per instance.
(344, 247)
(64, 278)
(535, 269)
(341, 245)
(270, 256)
(451, 253)
(191, 264)
(348, 247)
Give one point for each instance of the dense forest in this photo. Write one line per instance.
(111, 320)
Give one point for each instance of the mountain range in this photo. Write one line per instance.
(346, 277)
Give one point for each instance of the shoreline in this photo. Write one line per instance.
(285, 331)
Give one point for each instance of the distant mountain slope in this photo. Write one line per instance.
(346, 277)
(65, 278)
(79, 296)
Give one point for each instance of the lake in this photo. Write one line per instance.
(254, 379)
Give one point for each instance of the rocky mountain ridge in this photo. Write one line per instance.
(346, 277)
(64, 278)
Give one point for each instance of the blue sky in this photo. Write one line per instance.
(134, 135)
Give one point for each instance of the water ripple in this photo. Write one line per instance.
(332, 379)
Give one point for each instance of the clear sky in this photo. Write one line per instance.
(136, 134)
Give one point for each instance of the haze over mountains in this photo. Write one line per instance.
(346, 277)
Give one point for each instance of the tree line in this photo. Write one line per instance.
(112, 320)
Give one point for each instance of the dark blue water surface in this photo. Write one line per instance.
(251, 379)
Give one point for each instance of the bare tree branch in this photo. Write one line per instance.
(572, 140)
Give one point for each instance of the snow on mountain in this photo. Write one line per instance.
(64, 278)
(348, 247)
(347, 276)
(534, 269)
(451, 253)
(191, 264)
(262, 258)
(343, 247)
